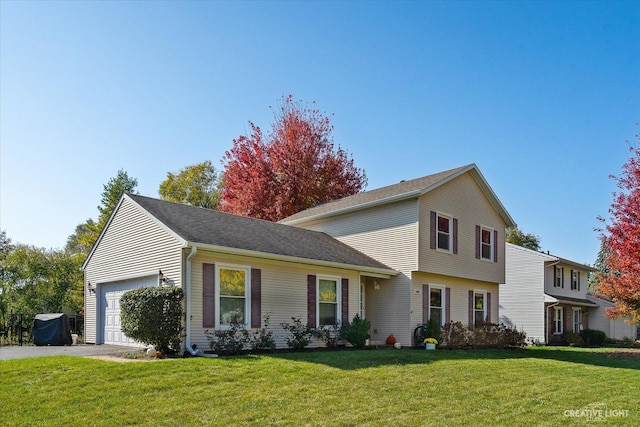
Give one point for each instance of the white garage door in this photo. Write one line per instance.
(110, 294)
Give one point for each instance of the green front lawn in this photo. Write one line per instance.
(537, 386)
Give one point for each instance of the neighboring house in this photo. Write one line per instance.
(546, 296)
(227, 265)
(614, 328)
(443, 233)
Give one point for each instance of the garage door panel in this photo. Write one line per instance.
(110, 294)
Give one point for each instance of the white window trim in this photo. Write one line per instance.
(338, 281)
(484, 305)
(558, 276)
(450, 217)
(557, 310)
(443, 290)
(575, 310)
(491, 245)
(247, 293)
(574, 280)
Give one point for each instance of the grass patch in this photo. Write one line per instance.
(376, 387)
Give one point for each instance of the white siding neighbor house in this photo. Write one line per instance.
(546, 296)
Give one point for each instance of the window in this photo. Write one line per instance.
(557, 320)
(575, 280)
(233, 290)
(558, 277)
(479, 307)
(328, 301)
(445, 223)
(436, 306)
(486, 243)
(577, 320)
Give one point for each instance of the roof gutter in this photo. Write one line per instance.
(396, 198)
(383, 273)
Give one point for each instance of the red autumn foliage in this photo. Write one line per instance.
(294, 168)
(621, 277)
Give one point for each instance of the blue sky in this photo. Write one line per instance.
(540, 95)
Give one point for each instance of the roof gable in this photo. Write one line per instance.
(400, 191)
(207, 227)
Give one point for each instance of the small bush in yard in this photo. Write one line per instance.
(356, 332)
(454, 335)
(328, 334)
(572, 338)
(298, 334)
(152, 315)
(263, 339)
(228, 341)
(490, 335)
(593, 336)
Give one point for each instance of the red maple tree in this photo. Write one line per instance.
(620, 279)
(294, 168)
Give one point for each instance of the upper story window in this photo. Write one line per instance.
(486, 243)
(445, 232)
(575, 280)
(558, 277)
(233, 302)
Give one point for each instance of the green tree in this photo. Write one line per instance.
(600, 266)
(37, 280)
(196, 185)
(526, 240)
(86, 234)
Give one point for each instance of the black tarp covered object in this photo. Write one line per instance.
(51, 329)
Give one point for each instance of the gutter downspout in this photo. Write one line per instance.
(548, 314)
(187, 290)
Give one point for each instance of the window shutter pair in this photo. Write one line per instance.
(426, 299)
(433, 232)
(209, 296)
(471, 307)
(479, 243)
(311, 301)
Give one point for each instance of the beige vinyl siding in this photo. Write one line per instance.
(459, 289)
(283, 288)
(522, 294)
(389, 234)
(133, 244)
(464, 200)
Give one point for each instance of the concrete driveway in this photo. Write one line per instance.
(83, 350)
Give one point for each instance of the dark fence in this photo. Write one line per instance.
(17, 329)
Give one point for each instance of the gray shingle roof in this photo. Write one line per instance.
(404, 189)
(211, 227)
(366, 197)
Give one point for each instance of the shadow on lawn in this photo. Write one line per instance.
(361, 359)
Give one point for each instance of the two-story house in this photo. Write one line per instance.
(443, 233)
(398, 255)
(546, 296)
